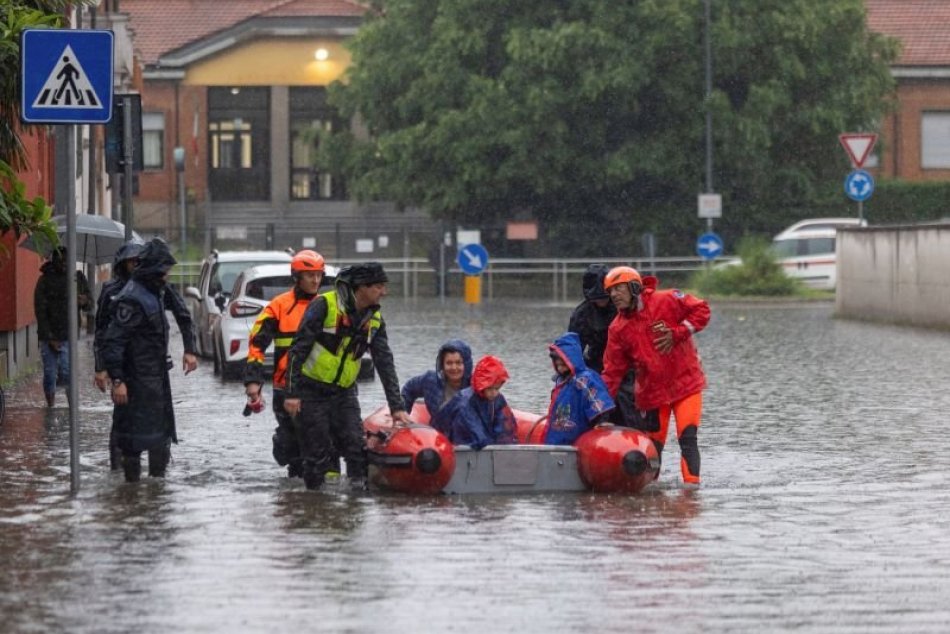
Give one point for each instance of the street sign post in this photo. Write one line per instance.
(859, 185)
(66, 78)
(709, 246)
(472, 259)
(858, 145)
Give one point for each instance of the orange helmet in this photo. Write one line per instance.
(621, 274)
(307, 260)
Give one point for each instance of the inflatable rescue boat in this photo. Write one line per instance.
(418, 459)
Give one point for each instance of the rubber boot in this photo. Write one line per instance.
(312, 478)
(132, 465)
(50, 399)
(158, 460)
(689, 452)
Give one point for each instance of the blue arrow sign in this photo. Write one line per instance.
(472, 259)
(859, 185)
(709, 246)
(66, 76)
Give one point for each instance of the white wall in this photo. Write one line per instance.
(897, 274)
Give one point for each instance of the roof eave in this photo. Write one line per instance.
(257, 28)
(921, 72)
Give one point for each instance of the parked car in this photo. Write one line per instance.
(218, 272)
(806, 250)
(253, 289)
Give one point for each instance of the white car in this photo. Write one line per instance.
(806, 250)
(218, 273)
(253, 289)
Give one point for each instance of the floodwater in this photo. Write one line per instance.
(824, 505)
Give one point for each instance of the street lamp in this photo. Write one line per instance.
(179, 156)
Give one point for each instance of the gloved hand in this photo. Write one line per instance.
(255, 399)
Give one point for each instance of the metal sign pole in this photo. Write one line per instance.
(127, 166)
(72, 306)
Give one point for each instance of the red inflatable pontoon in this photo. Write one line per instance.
(419, 459)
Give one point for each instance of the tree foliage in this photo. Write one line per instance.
(589, 115)
(18, 213)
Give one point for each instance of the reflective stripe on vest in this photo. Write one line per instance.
(340, 366)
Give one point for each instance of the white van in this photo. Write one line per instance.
(806, 250)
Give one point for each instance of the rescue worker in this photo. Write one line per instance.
(126, 259)
(653, 333)
(50, 299)
(579, 399)
(453, 372)
(322, 368)
(134, 352)
(592, 317)
(590, 321)
(479, 415)
(278, 323)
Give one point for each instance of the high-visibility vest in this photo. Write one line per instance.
(340, 366)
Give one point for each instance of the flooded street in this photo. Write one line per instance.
(826, 485)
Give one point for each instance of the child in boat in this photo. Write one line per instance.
(452, 374)
(579, 399)
(479, 415)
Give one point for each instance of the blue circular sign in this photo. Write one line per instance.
(709, 246)
(859, 185)
(472, 259)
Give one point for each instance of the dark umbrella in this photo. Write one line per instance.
(97, 238)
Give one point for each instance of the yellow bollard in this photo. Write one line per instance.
(473, 289)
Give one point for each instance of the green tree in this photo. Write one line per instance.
(18, 213)
(589, 115)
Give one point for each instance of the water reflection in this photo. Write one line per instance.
(826, 472)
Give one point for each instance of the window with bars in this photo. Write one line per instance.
(309, 116)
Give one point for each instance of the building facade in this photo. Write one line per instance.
(915, 138)
(241, 88)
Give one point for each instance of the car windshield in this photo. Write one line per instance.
(224, 273)
(267, 288)
(798, 247)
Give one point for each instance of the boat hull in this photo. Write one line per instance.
(418, 459)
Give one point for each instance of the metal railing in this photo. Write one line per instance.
(499, 275)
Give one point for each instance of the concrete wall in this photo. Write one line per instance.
(895, 274)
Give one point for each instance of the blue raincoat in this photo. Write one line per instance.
(430, 386)
(577, 399)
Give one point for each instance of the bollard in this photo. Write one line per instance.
(473, 289)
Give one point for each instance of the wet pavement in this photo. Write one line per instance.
(826, 467)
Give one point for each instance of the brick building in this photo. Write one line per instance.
(915, 140)
(241, 87)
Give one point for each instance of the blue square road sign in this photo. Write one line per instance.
(66, 76)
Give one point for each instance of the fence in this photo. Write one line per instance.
(554, 278)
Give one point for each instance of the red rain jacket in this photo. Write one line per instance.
(488, 371)
(661, 379)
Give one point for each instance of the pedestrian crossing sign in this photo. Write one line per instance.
(66, 76)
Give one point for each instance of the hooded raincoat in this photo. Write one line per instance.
(473, 420)
(431, 386)
(578, 399)
(134, 349)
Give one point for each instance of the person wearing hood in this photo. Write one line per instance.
(579, 399)
(50, 298)
(322, 367)
(653, 332)
(126, 259)
(590, 320)
(453, 372)
(592, 317)
(479, 415)
(134, 353)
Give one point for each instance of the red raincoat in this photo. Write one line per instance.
(661, 379)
